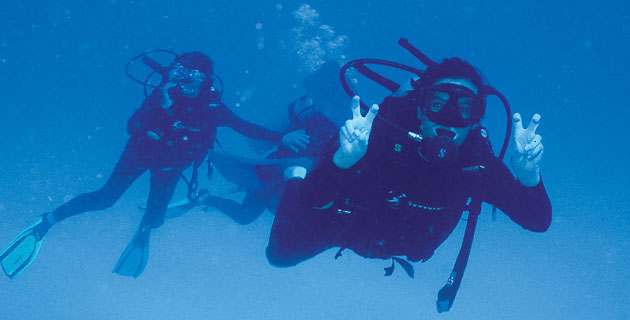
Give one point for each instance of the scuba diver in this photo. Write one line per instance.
(262, 179)
(398, 179)
(172, 130)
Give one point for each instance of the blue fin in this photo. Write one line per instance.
(23, 250)
(134, 259)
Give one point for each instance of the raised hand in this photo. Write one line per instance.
(296, 140)
(166, 98)
(354, 135)
(528, 151)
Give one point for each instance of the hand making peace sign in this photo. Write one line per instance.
(354, 135)
(528, 151)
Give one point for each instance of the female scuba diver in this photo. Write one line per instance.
(172, 130)
(385, 191)
(317, 113)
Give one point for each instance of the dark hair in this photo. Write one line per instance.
(196, 60)
(451, 68)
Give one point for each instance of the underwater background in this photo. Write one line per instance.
(66, 101)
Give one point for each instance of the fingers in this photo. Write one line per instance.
(298, 135)
(372, 114)
(350, 126)
(350, 132)
(344, 134)
(301, 137)
(536, 152)
(355, 105)
(533, 148)
(301, 144)
(518, 124)
(363, 139)
(537, 139)
(168, 85)
(305, 139)
(533, 124)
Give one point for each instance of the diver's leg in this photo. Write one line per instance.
(163, 185)
(127, 170)
(24, 248)
(254, 204)
(298, 233)
(243, 214)
(135, 257)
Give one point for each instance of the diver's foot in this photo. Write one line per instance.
(294, 172)
(142, 236)
(40, 229)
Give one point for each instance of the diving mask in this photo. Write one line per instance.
(181, 74)
(452, 105)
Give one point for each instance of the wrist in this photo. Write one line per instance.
(342, 160)
(529, 180)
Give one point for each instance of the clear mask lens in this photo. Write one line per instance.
(452, 105)
(182, 74)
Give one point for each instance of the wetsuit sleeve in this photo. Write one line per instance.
(528, 207)
(143, 120)
(225, 117)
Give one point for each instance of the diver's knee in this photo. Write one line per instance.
(245, 220)
(248, 216)
(102, 199)
(280, 258)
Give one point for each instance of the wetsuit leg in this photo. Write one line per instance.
(129, 167)
(163, 185)
(243, 214)
(299, 233)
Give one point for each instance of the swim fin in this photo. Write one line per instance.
(21, 252)
(133, 260)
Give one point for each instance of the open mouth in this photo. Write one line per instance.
(444, 132)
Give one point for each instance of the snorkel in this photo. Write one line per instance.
(440, 151)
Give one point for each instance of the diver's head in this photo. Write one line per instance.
(448, 100)
(191, 71)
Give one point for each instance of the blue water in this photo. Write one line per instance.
(66, 100)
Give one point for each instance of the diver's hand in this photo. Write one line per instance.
(528, 151)
(166, 98)
(354, 135)
(296, 140)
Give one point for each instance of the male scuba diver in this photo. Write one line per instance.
(399, 178)
(172, 130)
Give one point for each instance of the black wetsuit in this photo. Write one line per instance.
(187, 129)
(394, 203)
